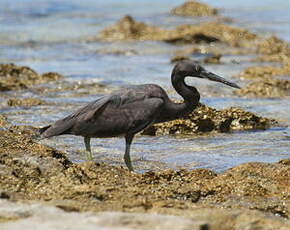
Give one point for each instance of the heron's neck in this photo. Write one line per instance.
(190, 95)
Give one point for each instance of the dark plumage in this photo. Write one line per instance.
(128, 111)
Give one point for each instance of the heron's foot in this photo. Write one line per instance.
(89, 156)
(130, 167)
(128, 162)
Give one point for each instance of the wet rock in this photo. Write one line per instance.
(127, 29)
(208, 59)
(273, 49)
(51, 76)
(250, 184)
(14, 77)
(205, 119)
(271, 88)
(272, 45)
(26, 102)
(264, 72)
(4, 195)
(264, 84)
(31, 171)
(211, 32)
(3, 121)
(213, 59)
(193, 8)
(177, 58)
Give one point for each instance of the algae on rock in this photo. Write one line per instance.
(127, 29)
(26, 102)
(194, 8)
(13, 77)
(270, 88)
(206, 119)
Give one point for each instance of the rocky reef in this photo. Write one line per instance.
(269, 88)
(265, 72)
(266, 81)
(251, 194)
(13, 77)
(26, 102)
(127, 29)
(205, 119)
(273, 49)
(193, 8)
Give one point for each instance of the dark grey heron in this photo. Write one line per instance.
(129, 111)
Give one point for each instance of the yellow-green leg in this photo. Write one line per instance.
(127, 158)
(87, 141)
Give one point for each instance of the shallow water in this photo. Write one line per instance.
(52, 36)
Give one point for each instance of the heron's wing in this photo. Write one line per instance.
(92, 108)
(63, 125)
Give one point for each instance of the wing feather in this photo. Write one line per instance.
(94, 109)
(62, 126)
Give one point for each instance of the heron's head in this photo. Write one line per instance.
(192, 69)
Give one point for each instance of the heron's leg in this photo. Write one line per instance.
(87, 141)
(129, 138)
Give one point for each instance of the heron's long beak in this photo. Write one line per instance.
(214, 77)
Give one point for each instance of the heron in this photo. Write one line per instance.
(130, 110)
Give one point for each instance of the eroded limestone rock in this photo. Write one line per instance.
(272, 88)
(246, 195)
(26, 102)
(3, 121)
(127, 29)
(194, 8)
(264, 72)
(13, 77)
(205, 119)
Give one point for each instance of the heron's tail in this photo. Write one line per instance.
(42, 130)
(38, 133)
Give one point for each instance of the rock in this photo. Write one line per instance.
(251, 195)
(193, 8)
(27, 216)
(264, 84)
(213, 59)
(177, 58)
(264, 72)
(4, 195)
(14, 77)
(205, 119)
(3, 121)
(273, 45)
(270, 88)
(250, 184)
(273, 49)
(128, 29)
(26, 102)
(208, 32)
